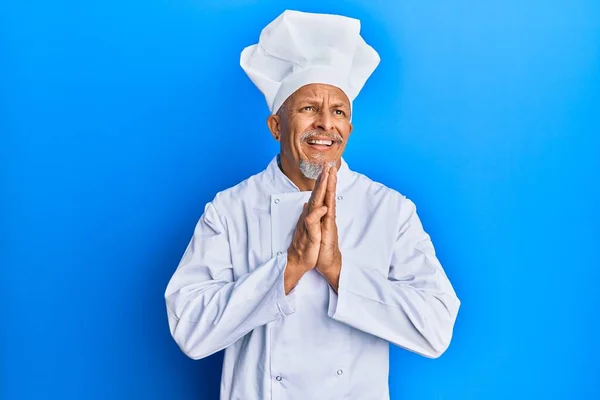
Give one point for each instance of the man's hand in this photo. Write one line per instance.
(304, 250)
(329, 262)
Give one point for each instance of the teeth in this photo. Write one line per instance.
(324, 142)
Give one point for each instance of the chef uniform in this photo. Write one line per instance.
(313, 343)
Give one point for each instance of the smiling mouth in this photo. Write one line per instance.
(320, 144)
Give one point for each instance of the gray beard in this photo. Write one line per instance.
(311, 170)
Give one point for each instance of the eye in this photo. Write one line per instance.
(339, 112)
(308, 108)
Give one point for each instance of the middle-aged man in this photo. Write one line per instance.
(307, 271)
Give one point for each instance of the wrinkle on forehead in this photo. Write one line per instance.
(318, 92)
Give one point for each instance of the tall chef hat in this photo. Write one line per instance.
(299, 48)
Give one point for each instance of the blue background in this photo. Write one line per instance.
(119, 120)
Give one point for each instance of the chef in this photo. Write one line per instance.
(305, 272)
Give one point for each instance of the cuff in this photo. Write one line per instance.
(285, 303)
(338, 301)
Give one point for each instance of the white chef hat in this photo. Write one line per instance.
(299, 48)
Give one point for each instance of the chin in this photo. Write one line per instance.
(321, 157)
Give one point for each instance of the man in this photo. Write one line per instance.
(307, 271)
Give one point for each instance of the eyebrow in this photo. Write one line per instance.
(338, 105)
(317, 101)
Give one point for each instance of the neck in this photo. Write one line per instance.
(291, 169)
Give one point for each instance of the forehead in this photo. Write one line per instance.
(320, 92)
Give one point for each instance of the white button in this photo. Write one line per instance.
(276, 201)
(339, 372)
(278, 378)
(279, 253)
(340, 198)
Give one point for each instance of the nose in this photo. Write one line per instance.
(324, 121)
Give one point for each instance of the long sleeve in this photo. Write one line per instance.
(413, 307)
(207, 309)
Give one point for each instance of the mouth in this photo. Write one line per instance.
(321, 144)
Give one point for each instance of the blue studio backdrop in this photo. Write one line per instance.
(119, 120)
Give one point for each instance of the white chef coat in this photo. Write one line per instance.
(313, 344)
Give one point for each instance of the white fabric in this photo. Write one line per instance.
(299, 48)
(228, 292)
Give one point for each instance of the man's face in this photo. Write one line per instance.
(313, 126)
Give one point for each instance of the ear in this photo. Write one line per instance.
(350, 127)
(274, 124)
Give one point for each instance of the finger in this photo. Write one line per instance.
(313, 223)
(321, 189)
(312, 200)
(314, 218)
(330, 202)
(318, 194)
(333, 173)
(303, 214)
(331, 187)
(304, 210)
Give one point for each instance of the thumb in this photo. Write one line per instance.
(322, 211)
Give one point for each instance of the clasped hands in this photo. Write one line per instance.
(315, 240)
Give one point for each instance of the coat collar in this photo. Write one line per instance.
(282, 184)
